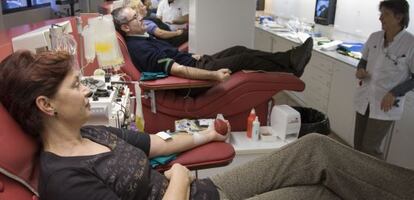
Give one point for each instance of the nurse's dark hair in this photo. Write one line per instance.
(398, 7)
(23, 77)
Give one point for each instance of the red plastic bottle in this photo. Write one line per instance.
(250, 119)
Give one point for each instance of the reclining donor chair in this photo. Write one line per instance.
(233, 98)
(19, 167)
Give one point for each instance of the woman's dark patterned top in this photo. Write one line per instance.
(122, 173)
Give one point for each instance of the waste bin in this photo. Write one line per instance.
(313, 121)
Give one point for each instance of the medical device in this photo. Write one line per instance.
(110, 102)
(100, 39)
(285, 122)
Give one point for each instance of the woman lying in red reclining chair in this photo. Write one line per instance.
(44, 95)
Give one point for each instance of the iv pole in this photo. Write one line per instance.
(81, 43)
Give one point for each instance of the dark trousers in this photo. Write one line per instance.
(369, 134)
(239, 58)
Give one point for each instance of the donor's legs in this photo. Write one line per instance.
(316, 167)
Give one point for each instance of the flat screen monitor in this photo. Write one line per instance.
(325, 12)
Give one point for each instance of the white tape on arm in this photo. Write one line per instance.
(163, 135)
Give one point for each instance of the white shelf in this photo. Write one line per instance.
(243, 145)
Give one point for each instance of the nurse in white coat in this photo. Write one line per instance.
(386, 75)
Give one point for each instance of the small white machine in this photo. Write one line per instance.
(285, 122)
(112, 107)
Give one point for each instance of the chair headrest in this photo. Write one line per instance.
(128, 68)
(20, 158)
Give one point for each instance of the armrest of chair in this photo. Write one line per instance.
(174, 82)
(214, 154)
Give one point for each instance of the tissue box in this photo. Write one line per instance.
(285, 122)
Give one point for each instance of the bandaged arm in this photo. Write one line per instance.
(178, 143)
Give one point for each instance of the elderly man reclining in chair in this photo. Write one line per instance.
(151, 55)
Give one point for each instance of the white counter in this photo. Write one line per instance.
(246, 150)
(244, 145)
(333, 54)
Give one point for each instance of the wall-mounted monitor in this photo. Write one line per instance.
(325, 12)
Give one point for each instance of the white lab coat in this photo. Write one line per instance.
(388, 67)
(170, 12)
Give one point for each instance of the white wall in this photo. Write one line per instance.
(219, 24)
(357, 17)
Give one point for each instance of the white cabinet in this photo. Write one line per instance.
(402, 142)
(330, 86)
(340, 108)
(281, 44)
(262, 40)
(317, 76)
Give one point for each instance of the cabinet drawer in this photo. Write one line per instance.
(262, 40)
(319, 90)
(321, 63)
(316, 96)
(317, 76)
(281, 44)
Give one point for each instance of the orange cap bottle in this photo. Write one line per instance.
(250, 119)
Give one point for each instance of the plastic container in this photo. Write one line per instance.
(256, 129)
(250, 119)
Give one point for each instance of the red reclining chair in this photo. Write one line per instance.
(233, 98)
(214, 154)
(19, 169)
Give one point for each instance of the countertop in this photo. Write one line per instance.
(332, 54)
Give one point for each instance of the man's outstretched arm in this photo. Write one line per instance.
(195, 73)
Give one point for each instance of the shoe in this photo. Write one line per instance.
(300, 56)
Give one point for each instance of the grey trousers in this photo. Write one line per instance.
(316, 167)
(369, 134)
